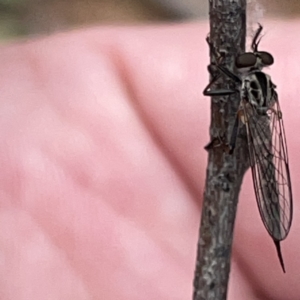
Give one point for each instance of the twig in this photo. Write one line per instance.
(225, 171)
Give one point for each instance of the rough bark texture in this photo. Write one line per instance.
(224, 172)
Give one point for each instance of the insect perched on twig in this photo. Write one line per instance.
(260, 112)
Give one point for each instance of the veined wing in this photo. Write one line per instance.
(270, 169)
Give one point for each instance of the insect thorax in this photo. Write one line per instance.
(258, 90)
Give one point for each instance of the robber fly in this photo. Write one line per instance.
(260, 112)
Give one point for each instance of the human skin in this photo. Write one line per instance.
(103, 166)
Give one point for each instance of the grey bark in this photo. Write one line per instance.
(224, 171)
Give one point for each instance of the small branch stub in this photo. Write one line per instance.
(225, 171)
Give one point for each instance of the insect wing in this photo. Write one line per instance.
(270, 169)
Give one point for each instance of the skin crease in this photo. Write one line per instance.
(103, 166)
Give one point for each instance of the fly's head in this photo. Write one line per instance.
(255, 60)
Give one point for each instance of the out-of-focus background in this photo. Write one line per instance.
(27, 17)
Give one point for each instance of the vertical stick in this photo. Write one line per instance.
(224, 172)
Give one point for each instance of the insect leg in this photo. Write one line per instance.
(219, 141)
(219, 57)
(229, 74)
(234, 134)
(220, 92)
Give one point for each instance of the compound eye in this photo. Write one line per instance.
(245, 60)
(266, 58)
